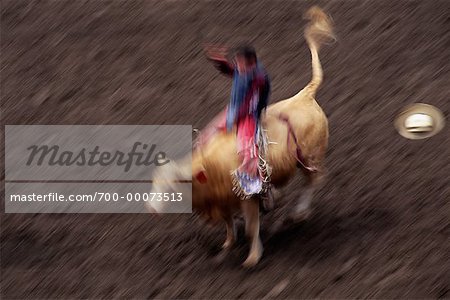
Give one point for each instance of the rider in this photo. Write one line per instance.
(249, 97)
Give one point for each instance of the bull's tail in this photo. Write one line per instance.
(318, 31)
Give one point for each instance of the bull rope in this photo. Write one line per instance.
(298, 155)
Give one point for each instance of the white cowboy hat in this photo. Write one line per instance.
(419, 121)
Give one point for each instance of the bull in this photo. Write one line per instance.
(297, 130)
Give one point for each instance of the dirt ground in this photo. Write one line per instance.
(380, 227)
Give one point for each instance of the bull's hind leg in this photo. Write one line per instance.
(251, 215)
(302, 210)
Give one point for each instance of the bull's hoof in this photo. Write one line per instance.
(254, 257)
(300, 216)
(250, 262)
(228, 244)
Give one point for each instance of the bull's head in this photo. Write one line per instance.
(167, 178)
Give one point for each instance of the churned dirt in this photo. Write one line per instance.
(380, 227)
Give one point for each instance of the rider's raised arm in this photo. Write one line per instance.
(223, 65)
(218, 56)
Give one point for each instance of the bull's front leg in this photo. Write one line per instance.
(231, 234)
(229, 242)
(251, 215)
